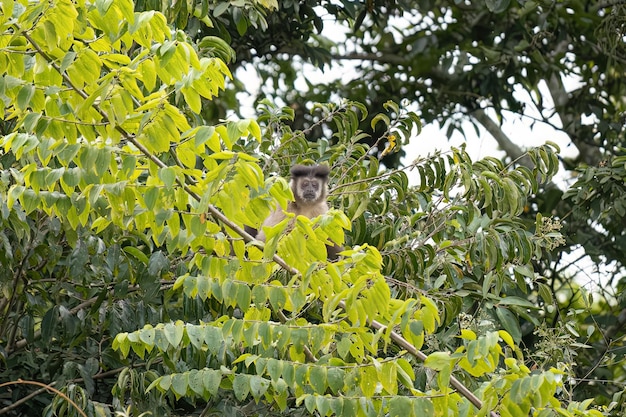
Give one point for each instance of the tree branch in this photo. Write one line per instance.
(591, 155)
(406, 345)
(611, 332)
(505, 143)
(385, 58)
(20, 344)
(47, 387)
(608, 4)
(25, 399)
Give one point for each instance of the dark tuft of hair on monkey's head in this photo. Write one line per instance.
(320, 171)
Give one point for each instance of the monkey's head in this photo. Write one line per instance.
(309, 183)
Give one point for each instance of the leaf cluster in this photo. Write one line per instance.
(132, 275)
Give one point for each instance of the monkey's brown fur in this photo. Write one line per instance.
(309, 184)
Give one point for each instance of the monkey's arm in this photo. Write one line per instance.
(273, 219)
(250, 230)
(332, 252)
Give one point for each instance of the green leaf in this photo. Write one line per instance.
(203, 134)
(213, 339)
(150, 197)
(400, 406)
(259, 295)
(380, 118)
(196, 382)
(546, 293)
(180, 383)
(30, 121)
(244, 296)
(497, 6)
(336, 406)
(147, 334)
(165, 382)
(157, 264)
(322, 404)
(368, 380)
(168, 176)
(241, 386)
(241, 23)
(277, 297)
(423, 407)
(174, 333)
(343, 347)
(274, 369)
(137, 254)
(388, 377)
(103, 6)
(439, 361)
(25, 96)
(196, 335)
(49, 324)
(159, 338)
(258, 387)
(335, 378)
(318, 378)
(510, 323)
(350, 407)
(211, 380)
(517, 301)
(220, 8)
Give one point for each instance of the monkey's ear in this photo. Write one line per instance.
(300, 171)
(321, 170)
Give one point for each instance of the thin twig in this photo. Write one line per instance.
(24, 400)
(47, 387)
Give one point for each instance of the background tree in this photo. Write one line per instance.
(132, 286)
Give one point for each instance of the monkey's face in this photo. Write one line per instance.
(309, 189)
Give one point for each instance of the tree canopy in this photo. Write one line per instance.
(552, 64)
(130, 285)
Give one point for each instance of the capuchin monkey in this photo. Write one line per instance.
(309, 184)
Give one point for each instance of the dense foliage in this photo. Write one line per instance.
(549, 69)
(130, 286)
